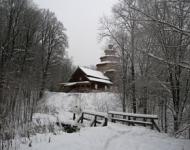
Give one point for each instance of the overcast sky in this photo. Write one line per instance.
(81, 19)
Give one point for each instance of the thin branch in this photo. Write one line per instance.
(185, 32)
(182, 65)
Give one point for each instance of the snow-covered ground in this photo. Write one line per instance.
(59, 106)
(112, 137)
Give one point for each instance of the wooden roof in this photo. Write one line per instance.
(90, 75)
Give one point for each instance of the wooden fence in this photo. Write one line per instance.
(94, 118)
(127, 118)
(134, 119)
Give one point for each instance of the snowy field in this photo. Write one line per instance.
(112, 137)
(58, 107)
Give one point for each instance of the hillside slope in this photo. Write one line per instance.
(60, 105)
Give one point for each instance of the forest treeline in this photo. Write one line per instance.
(152, 38)
(153, 41)
(32, 59)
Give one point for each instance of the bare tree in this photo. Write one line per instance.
(118, 36)
(169, 21)
(128, 18)
(157, 43)
(25, 63)
(54, 42)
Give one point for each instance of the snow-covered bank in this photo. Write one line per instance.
(60, 105)
(112, 137)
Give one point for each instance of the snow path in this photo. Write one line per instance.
(112, 137)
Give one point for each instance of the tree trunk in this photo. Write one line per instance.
(133, 69)
(2, 78)
(44, 76)
(165, 116)
(124, 96)
(123, 81)
(145, 100)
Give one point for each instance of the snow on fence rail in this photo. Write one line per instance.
(95, 120)
(114, 116)
(134, 115)
(133, 119)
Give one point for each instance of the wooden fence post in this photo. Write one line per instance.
(155, 125)
(95, 118)
(82, 117)
(129, 118)
(144, 119)
(112, 120)
(152, 125)
(106, 121)
(74, 116)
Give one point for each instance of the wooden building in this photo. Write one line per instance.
(84, 80)
(109, 63)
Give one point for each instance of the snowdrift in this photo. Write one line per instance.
(112, 137)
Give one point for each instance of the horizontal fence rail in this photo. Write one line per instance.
(98, 118)
(114, 116)
(134, 119)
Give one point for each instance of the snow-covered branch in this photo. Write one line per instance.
(182, 64)
(185, 32)
(182, 130)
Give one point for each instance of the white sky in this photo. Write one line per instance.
(81, 19)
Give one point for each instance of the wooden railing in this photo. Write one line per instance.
(96, 118)
(128, 118)
(134, 119)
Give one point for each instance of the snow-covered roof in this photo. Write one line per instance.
(111, 50)
(70, 84)
(75, 83)
(99, 80)
(111, 70)
(109, 56)
(108, 62)
(94, 73)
